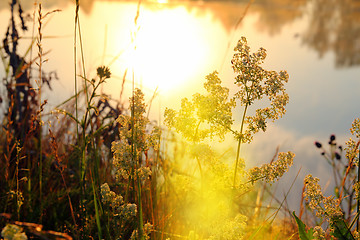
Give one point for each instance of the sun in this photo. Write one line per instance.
(167, 49)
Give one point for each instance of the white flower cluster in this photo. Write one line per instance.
(230, 229)
(116, 203)
(13, 232)
(271, 172)
(352, 146)
(319, 233)
(325, 207)
(205, 115)
(147, 230)
(135, 140)
(254, 83)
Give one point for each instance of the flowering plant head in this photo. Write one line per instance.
(205, 115)
(325, 207)
(254, 83)
(135, 139)
(352, 147)
(271, 172)
(211, 114)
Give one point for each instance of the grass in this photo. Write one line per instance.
(108, 172)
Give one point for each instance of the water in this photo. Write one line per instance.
(179, 43)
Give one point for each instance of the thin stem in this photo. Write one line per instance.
(334, 172)
(75, 74)
(40, 51)
(239, 144)
(141, 221)
(76, 108)
(194, 142)
(358, 200)
(87, 101)
(17, 180)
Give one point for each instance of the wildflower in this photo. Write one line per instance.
(13, 232)
(146, 232)
(325, 207)
(355, 128)
(143, 173)
(352, 151)
(117, 202)
(332, 139)
(271, 172)
(254, 83)
(356, 188)
(352, 147)
(229, 228)
(205, 115)
(103, 72)
(134, 139)
(106, 195)
(129, 210)
(147, 229)
(318, 233)
(110, 198)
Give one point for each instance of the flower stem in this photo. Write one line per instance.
(239, 144)
(358, 200)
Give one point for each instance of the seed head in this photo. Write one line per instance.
(332, 139)
(318, 145)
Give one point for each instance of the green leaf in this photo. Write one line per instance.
(303, 234)
(341, 230)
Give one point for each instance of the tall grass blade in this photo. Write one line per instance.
(97, 215)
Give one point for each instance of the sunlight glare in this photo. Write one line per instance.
(162, 1)
(169, 48)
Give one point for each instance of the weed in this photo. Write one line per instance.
(209, 116)
(331, 208)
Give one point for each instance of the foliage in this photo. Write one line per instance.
(330, 208)
(99, 171)
(42, 168)
(303, 233)
(132, 166)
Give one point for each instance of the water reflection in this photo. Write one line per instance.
(274, 14)
(335, 26)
